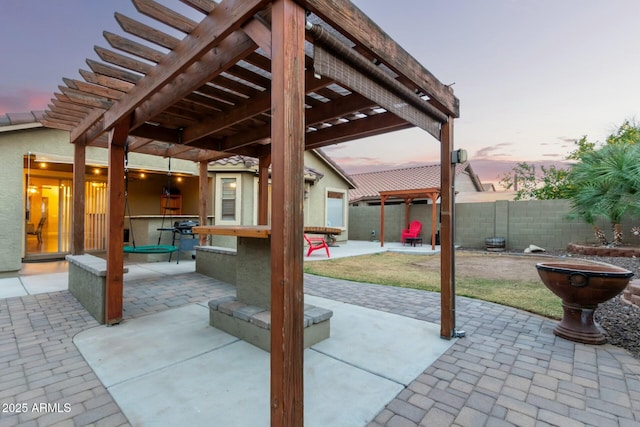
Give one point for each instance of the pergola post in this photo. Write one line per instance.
(407, 204)
(203, 194)
(447, 278)
(115, 224)
(434, 199)
(263, 189)
(287, 152)
(382, 200)
(79, 179)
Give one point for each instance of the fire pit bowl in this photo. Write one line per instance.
(581, 287)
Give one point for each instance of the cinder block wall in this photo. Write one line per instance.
(539, 222)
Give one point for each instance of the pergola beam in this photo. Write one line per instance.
(342, 14)
(230, 50)
(251, 108)
(210, 32)
(360, 128)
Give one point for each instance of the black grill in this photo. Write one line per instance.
(184, 227)
(183, 237)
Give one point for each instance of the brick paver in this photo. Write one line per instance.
(509, 369)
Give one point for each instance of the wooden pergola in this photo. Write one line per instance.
(267, 79)
(409, 196)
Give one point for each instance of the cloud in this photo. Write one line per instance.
(567, 140)
(22, 100)
(493, 151)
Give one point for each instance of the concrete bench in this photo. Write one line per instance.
(253, 324)
(87, 282)
(217, 262)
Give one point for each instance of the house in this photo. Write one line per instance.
(235, 182)
(37, 196)
(370, 184)
(36, 208)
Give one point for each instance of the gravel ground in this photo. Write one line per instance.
(620, 321)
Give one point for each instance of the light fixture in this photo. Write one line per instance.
(143, 175)
(43, 165)
(458, 156)
(179, 179)
(96, 171)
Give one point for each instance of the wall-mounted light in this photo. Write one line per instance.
(96, 171)
(458, 156)
(43, 165)
(179, 179)
(143, 175)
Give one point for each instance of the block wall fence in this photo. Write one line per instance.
(542, 223)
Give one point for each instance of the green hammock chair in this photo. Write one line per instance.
(145, 249)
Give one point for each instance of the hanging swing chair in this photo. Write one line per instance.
(149, 249)
(145, 249)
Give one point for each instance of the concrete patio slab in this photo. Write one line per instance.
(357, 334)
(46, 283)
(174, 368)
(11, 287)
(148, 343)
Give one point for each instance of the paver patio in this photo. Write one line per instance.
(509, 369)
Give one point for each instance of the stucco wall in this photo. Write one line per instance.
(316, 206)
(540, 222)
(48, 144)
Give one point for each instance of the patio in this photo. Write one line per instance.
(509, 369)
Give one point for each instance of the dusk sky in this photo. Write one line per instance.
(531, 76)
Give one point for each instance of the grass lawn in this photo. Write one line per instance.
(422, 272)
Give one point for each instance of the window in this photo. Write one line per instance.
(227, 204)
(228, 199)
(336, 209)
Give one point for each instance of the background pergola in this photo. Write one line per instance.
(267, 79)
(409, 196)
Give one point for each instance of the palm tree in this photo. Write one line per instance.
(607, 185)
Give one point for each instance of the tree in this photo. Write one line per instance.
(603, 183)
(550, 184)
(606, 184)
(627, 133)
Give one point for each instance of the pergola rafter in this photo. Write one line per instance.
(243, 80)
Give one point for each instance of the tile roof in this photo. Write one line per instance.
(10, 119)
(369, 184)
(247, 162)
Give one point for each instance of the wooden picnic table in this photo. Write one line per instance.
(330, 233)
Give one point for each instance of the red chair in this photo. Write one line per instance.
(316, 243)
(415, 227)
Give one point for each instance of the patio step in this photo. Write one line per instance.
(253, 324)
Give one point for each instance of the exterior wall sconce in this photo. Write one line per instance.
(458, 156)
